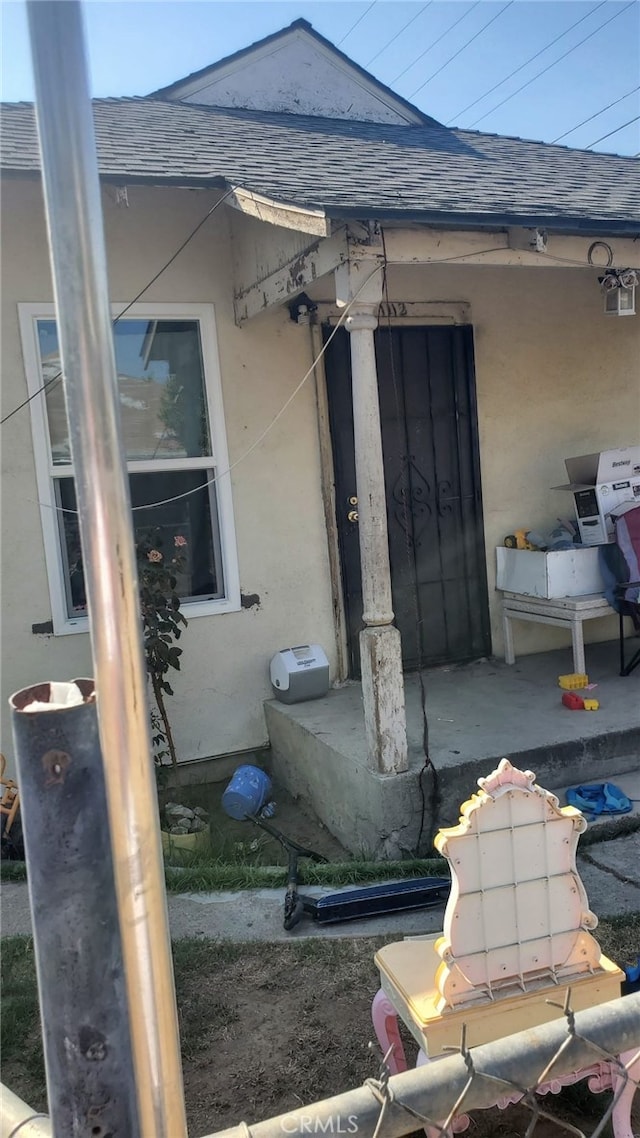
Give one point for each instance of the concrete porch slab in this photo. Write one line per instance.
(476, 714)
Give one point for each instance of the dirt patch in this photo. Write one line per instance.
(287, 1028)
(267, 1029)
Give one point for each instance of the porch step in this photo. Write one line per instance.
(476, 715)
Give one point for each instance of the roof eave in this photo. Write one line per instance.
(569, 225)
(473, 220)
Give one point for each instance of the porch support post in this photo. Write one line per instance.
(380, 646)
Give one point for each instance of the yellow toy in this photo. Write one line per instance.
(591, 704)
(518, 540)
(573, 681)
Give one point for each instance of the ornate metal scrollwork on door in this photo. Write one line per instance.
(446, 498)
(412, 495)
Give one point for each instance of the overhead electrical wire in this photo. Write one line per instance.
(399, 33)
(196, 229)
(595, 116)
(538, 74)
(455, 55)
(358, 21)
(436, 42)
(611, 132)
(256, 443)
(526, 62)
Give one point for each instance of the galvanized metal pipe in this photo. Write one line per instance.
(433, 1089)
(17, 1120)
(72, 196)
(85, 1027)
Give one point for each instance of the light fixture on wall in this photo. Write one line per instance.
(619, 287)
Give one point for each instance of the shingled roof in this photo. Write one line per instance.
(351, 169)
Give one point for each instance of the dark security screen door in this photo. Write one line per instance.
(434, 505)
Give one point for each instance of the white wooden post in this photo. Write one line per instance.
(380, 645)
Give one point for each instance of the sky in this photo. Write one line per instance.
(444, 56)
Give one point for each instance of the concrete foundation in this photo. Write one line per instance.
(476, 714)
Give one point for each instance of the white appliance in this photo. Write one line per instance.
(300, 673)
(600, 483)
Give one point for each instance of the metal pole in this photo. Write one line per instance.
(17, 1120)
(76, 933)
(72, 196)
(431, 1090)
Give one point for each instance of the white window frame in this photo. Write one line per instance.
(47, 473)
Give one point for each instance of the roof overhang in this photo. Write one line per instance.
(304, 219)
(322, 220)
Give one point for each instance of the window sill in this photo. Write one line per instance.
(191, 611)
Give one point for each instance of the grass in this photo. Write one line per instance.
(237, 865)
(296, 1016)
(200, 873)
(205, 876)
(13, 871)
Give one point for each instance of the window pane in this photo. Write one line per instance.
(192, 519)
(161, 387)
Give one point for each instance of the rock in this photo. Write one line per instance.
(197, 825)
(200, 813)
(180, 828)
(175, 812)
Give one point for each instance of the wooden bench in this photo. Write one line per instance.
(563, 612)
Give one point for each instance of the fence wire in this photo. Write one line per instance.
(619, 1074)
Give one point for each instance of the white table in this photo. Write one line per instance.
(563, 612)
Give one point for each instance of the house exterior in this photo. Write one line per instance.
(445, 283)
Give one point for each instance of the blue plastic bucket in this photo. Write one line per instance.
(247, 792)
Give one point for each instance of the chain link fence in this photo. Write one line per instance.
(599, 1047)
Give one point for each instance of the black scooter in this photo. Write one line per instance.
(351, 904)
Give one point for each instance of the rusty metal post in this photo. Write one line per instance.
(85, 1027)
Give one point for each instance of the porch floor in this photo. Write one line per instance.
(477, 713)
(489, 709)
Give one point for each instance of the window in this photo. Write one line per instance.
(174, 439)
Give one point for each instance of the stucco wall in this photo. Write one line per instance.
(555, 378)
(277, 502)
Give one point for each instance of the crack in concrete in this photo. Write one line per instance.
(591, 860)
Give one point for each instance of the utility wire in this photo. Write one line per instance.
(358, 21)
(526, 62)
(436, 42)
(55, 378)
(611, 132)
(550, 65)
(596, 116)
(256, 443)
(398, 34)
(464, 47)
(223, 473)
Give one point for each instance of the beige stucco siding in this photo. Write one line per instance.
(276, 490)
(555, 378)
